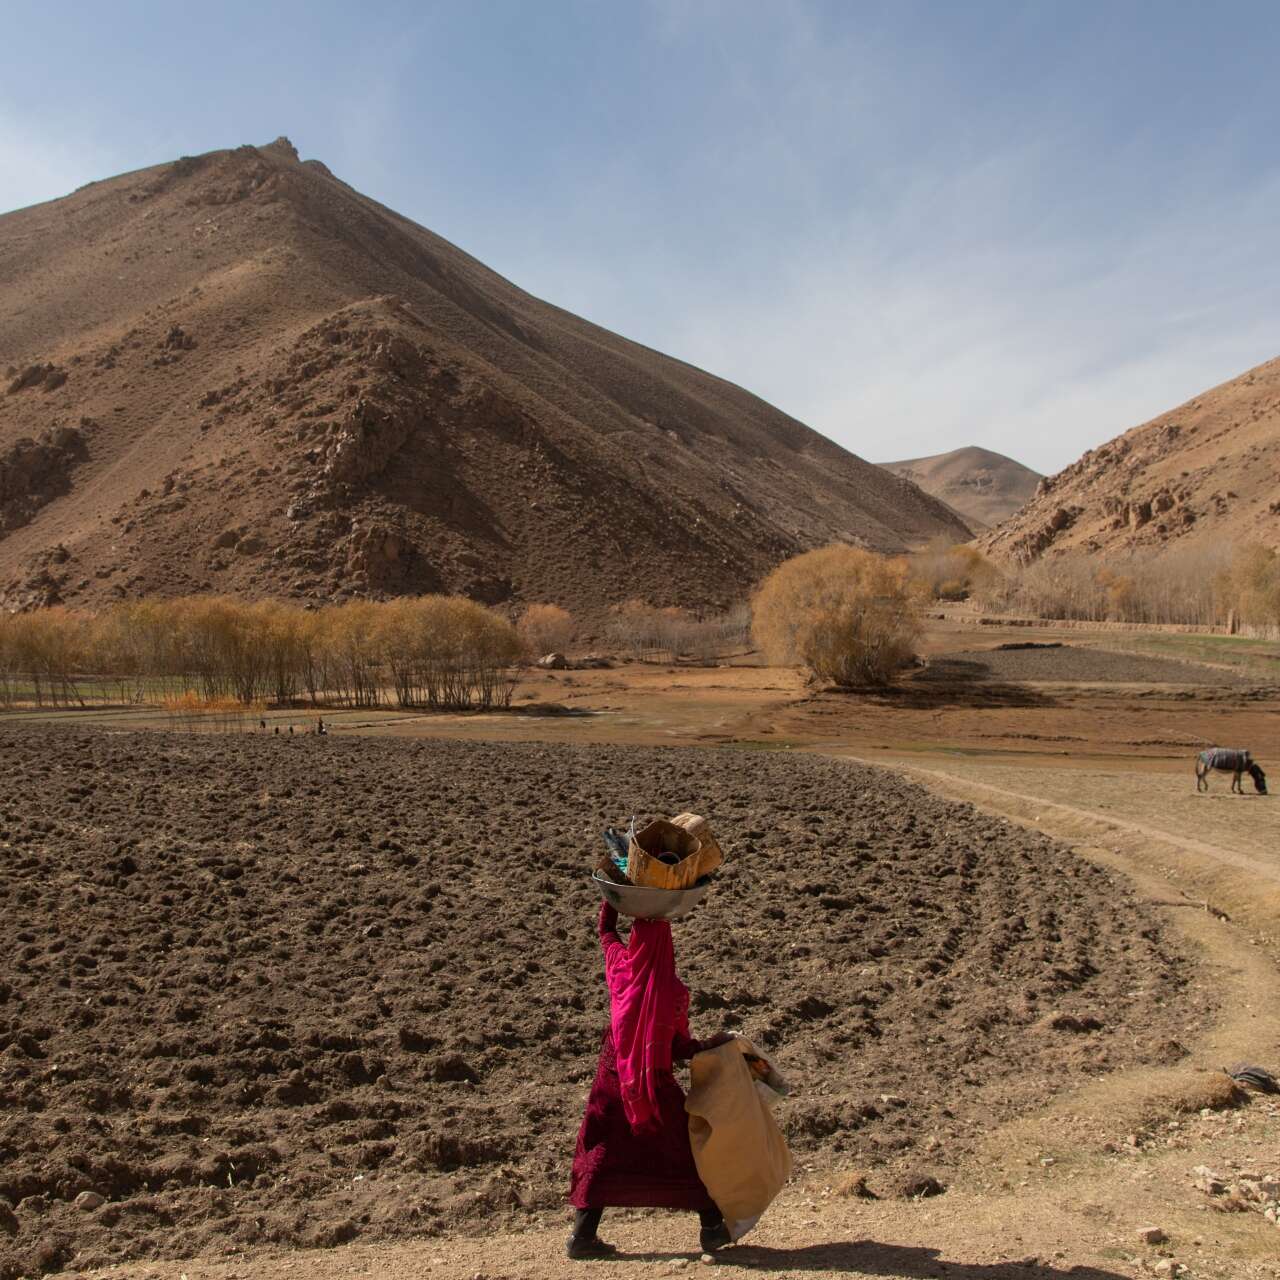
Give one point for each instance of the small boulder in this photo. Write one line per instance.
(553, 662)
(89, 1200)
(1152, 1235)
(1212, 1184)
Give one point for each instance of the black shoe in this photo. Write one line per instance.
(714, 1238)
(580, 1249)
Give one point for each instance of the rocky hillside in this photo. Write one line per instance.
(1208, 471)
(236, 373)
(981, 486)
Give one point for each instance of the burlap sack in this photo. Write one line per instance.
(741, 1155)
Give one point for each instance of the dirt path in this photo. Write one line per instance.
(1056, 1195)
(1215, 848)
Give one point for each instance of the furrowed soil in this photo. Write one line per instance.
(266, 992)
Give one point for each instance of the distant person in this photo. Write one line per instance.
(291, 731)
(320, 725)
(633, 1146)
(262, 724)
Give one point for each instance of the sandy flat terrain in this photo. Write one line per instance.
(1051, 1165)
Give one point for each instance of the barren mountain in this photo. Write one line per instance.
(982, 486)
(236, 373)
(1207, 471)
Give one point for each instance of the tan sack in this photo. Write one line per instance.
(741, 1155)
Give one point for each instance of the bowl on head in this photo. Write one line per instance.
(645, 903)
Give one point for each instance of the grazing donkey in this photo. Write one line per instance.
(1228, 760)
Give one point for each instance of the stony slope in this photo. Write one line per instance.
(234, 372)
(981, 486)
(1206, 473)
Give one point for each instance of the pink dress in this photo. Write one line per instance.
(615, 1164)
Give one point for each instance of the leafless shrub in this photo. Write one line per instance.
(650, 634)
(546, 628)
(848, 616)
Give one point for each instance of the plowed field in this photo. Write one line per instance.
(268, 990)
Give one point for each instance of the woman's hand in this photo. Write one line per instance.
(720, 1037)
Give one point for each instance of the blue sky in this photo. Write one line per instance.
(912, 225)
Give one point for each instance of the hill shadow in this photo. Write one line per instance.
(875, 1258)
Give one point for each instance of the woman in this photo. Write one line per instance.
(633, 1147)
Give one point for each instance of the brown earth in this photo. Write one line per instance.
(236, 373)
(981, 486)
(271, 991)
(1204, 474)
(1072, 664)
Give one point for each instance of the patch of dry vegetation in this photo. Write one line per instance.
(1194, 586)
(1197, 586)
(848, 616)
(546, 628)
(651, 634)
(949, 571)
(434, 651)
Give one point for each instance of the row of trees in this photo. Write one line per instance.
(436, 651)
(852, 617)
(1193, 586)
(847, 615)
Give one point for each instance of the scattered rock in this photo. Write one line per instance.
(35, 471)
(1206, 1180)
(553, 662)
(177, 339)
(1152, 1235)
(48, 376)
(88, 1200)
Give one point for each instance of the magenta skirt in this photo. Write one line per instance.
(615, 1166)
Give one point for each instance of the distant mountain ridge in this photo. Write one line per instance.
(1205, 473)
(236, 373)
(983, 487)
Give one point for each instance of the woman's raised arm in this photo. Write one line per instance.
(608, 929)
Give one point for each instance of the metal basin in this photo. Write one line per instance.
(650, 904)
